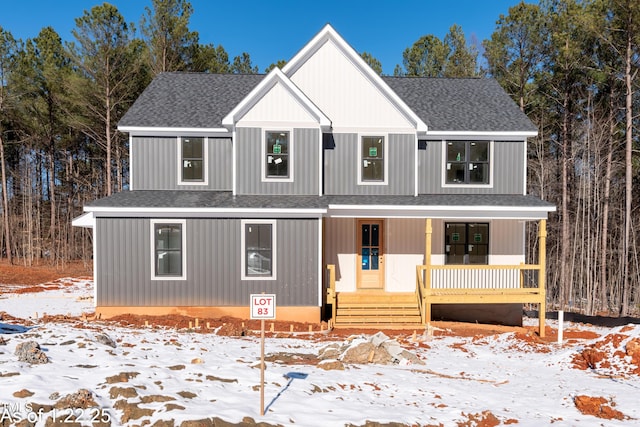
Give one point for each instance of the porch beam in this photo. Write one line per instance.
(542, 275)
(428, 231)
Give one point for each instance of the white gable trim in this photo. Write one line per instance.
(480, 134)
(275, 77)
(168, 131)
(328, 33)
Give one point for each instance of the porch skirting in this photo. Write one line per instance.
(305, 314)
(501, 314)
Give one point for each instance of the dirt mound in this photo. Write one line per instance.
(226, 326)
(616, 354)
(34, 275)
(598, 407)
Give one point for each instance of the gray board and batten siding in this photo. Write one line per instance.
(304, 145)
(342, 166)
(213, 264)
(154, 164)
(507, 164)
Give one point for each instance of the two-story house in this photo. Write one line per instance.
(323, 183)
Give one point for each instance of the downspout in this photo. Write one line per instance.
(415, 166)
(233, 161)
(130, 163)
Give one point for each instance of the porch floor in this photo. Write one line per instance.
(377, 309)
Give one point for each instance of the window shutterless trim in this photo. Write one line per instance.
(205, 162)
(385, 157)
(491, 164)
(183, 252)
(274, 257)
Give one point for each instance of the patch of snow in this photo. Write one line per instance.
(182, 375)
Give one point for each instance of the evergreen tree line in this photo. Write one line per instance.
(571, 66)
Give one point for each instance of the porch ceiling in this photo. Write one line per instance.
(223, 203)
(449, 206)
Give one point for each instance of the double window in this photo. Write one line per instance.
(277, 155)
(466, 243)
(372, 159)
(168, 243)
(258, 249)
(467, 162)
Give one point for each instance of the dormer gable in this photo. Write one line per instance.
(276, 89)
(343, 85)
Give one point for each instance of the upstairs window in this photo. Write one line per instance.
(466, 243)
(258, 253)
(168, 240)
(467, 162)
(372, 159)
(277, 151)
(192, 155)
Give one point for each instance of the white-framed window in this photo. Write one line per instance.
(258, 243)
(168, 249)
(372, 158)
(277, 155)
(192, 160)
(467, 163)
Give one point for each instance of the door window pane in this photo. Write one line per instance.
(370, 246)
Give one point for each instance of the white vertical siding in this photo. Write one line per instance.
(277, 105)
(344, 94)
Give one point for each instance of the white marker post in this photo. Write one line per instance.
(560, 326)
(263, 306)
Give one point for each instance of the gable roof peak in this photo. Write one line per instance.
(275, 76)
(328, 33)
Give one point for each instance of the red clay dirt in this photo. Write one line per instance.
(598, 407)
(38, 278)
(19, 274)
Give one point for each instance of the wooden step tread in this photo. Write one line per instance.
(386, 312)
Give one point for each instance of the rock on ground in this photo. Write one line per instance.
(31, 353)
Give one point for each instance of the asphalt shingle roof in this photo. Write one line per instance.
(189, 100)
(461, 104)
(224, 199)
(201, 100)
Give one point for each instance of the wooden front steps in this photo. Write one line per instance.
(377, 310)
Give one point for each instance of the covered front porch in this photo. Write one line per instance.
(390, 271)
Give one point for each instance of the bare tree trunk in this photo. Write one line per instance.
(52, 199)
(5, 204)
(607, 197)
(565, 288)
(108, 135)
(624, 306)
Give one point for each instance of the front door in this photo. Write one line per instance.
(370, 256)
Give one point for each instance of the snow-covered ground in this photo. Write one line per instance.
(155, 374)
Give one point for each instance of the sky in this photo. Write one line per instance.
(271, 30)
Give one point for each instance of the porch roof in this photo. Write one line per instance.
(176, 203)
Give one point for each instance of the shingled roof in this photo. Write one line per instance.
(461, 104)
(189, 100)
(201, 100)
